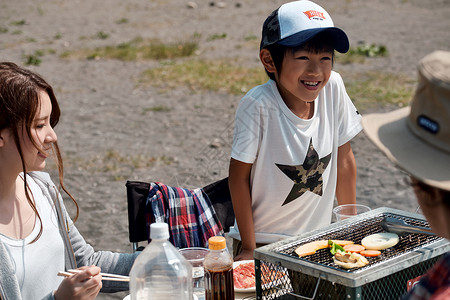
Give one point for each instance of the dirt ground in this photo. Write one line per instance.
(107, 123)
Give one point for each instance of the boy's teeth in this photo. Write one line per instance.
(311, 83)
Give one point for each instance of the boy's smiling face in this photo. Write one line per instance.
(303, 74)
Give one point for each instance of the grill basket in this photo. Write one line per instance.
(281, 274)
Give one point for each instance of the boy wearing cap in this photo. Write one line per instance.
(417, 139)
(291, 153)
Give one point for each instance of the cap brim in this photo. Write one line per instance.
(340, 39)
(390, 133)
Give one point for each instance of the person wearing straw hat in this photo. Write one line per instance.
(417, 139)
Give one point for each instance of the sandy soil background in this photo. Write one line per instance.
(107, 122)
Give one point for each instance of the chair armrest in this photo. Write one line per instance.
(137, 193)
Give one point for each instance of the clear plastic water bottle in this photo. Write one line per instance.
(160, 272)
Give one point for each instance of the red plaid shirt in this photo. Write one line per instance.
(189, 213)
(435, 284)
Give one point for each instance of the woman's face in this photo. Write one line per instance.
(42, 134)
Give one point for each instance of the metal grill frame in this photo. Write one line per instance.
(354, 279)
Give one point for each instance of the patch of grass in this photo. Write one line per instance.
(371, 50)
(102, 35)
(359, 53)
(33, 59)
(58, 36)
(375, 89)
(205, 75)
(138, 49)
(167, 160)
(157, 108)
(217, 37)
(39, 53)
(112, 163)
(122, 21)
(196, 36)
(251, 38)
(40, 11)
(3, 30)
(18, 23)
(65, 54)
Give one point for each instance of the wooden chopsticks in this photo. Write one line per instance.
(105, 276)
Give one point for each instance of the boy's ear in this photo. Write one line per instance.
(267, 61)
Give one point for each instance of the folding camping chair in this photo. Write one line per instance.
(137, 193)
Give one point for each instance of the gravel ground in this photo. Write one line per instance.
(107, 123)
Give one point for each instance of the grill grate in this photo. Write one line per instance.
(316, 277)
(356, 232)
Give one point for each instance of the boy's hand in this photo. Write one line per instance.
(244, 255)
(80, 286)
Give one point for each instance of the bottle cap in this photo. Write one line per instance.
(159, 231)
(217, 243)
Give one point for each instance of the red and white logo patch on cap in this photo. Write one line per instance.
(314, 14)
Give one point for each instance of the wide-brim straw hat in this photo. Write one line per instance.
(417, 138)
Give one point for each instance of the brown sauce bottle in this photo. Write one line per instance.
(218, 264)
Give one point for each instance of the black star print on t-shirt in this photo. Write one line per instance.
(308, 176)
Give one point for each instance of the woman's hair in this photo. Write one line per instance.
(19, 103)
(317, 44)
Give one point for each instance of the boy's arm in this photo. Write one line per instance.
(346, 175)
(239, 182)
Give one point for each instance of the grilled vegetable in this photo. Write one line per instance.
(335, 247)
(312, 247)
(380, 241)
(350, 260)
(354, 248)
(370, 253)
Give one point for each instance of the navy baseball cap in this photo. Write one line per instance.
(294, 23)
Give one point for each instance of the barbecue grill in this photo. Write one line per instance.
(281, 274)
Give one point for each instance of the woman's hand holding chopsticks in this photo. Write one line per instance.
(84, 284)
(105, 276)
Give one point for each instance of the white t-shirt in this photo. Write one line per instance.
(294, 171)
(37, 264)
